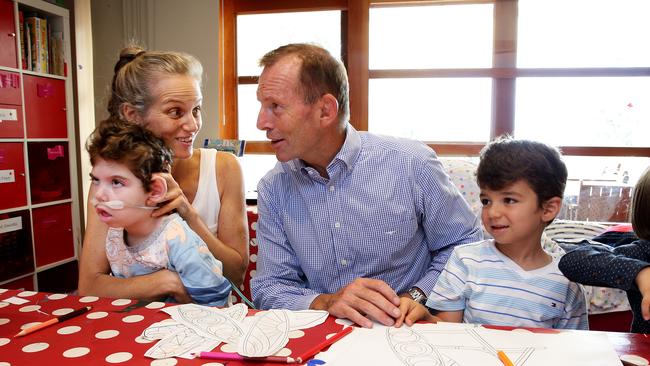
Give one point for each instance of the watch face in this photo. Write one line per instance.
(417, 296)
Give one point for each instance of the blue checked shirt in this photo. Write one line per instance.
(388, 211)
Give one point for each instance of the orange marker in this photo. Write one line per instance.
(504, 359)
(52, 321)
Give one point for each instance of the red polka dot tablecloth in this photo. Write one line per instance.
(109, 334)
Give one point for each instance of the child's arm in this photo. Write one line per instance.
(200, 272)
(603, 266)
(643, 282)
(451, 316)
(412, 312)
(575, 309)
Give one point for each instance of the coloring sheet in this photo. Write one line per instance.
(447, 344)
(195, 328)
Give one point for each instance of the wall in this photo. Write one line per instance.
(175, 25)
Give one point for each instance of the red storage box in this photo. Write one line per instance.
(53, 239)
(11, 121)
(12, 175)
(15, 245)
(8, 54)
(45, 111)
(49, 171)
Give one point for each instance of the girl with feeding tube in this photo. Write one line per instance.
(125, 159)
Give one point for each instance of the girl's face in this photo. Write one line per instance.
(175, 113)
(112, 181)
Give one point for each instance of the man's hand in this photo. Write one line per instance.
(643, 282)
(362, 301)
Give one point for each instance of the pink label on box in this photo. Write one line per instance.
(55, 152)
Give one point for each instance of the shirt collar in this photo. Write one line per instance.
(348, 153)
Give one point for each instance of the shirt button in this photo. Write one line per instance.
(344, 262)
(337, 224)
(331, 188)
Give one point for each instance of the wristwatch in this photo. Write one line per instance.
(417, 295)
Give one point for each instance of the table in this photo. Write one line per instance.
(108, 334)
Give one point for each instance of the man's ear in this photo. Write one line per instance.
(551, 208)
(158, 189)
(129, 113)
(329, 111)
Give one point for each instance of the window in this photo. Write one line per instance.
(454, 73)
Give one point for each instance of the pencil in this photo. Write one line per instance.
(504, 359)
(313, 351)
(225, 356)
(53, 321)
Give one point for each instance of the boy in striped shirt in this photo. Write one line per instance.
(509, 280)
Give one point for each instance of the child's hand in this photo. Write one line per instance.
(412, 312)
(643, 282)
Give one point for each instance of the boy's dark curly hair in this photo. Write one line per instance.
(506, 160)
(132, 145)
(640, 207)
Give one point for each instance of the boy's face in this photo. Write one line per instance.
(112, 181)
(512, 215)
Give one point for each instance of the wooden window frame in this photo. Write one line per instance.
(355, 43)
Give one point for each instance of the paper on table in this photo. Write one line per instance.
(199, 328)
(466, 346)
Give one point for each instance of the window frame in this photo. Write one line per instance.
(355, 45)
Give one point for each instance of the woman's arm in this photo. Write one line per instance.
(230, 245)
(94, 271)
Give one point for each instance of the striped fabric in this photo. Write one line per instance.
(388, 211)
(492, 289)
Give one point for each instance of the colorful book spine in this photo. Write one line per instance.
(23, 55)
(43, 49)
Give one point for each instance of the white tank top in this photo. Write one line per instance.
(206, 202)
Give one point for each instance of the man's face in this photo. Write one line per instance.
(292, 125)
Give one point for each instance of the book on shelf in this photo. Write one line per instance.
(37, 39)
(21, 26)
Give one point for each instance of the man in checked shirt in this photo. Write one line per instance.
(348, 221)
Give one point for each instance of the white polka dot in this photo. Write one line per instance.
(330, 335)
(233, 299)
(27, 325)
(253, 273)
(119, 357)
(4, 341)
(4, 321)
(254, 225)
(343, 322)
(168, 320)
(296, 334)
(3, 304)
(8, 364)
(62, 311)
(35, 347)
(132, 318)
(139, 339)
(120, 302)
(106, 334)
(97, 315)
(3, 290)
(88, 299)
(155, 305)
(285, 352)
(164, 362)
(57, 296)
(207, 364)
(27, 293)
(76, 352)
(253, 258)
(229, 348)
(28, 308)
(254, 242)
(69, 330)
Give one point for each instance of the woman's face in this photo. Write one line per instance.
(175, 113)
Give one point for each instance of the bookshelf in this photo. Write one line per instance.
(39, 200)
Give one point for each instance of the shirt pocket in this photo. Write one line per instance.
(389, 237)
